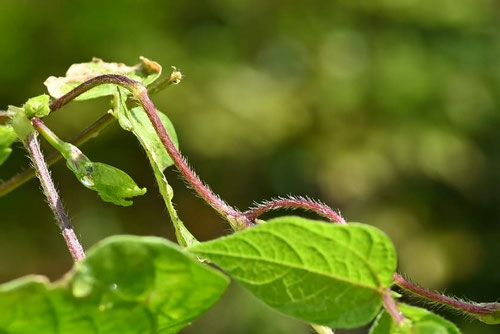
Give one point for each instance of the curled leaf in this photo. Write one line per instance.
(146, 72)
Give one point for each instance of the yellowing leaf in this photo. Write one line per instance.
(147, 71)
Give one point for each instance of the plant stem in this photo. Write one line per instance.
(49, 189)
(295, 203)
(92, 131)
(26, 175)
(477, 309)
(392, 308)
(237, 219)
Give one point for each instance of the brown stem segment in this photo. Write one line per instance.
(469, 308)
(237, 219)
(49, 189)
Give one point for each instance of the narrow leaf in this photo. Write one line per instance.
(420, 321)
(330, 275)
(126, 285)
(147, 71)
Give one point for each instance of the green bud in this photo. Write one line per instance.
(37, 106)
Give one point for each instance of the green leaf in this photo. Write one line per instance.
(126, 285)
(420, 321)
(146, 72)
(7, 137)
(326, 274)
(37, 106)
(136, 121)
(112, 184)
(20, 123)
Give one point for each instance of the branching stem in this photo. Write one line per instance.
(49, 189)
(237, 219)
(26, 175)
(92, 131)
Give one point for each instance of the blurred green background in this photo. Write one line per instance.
(385, 109)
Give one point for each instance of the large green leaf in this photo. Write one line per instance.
(326, 274)
(7, 137)
(136, 121)
(126, 285)
(420, 321)
(147, 71)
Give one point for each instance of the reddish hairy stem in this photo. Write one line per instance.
(237, 219)
(470, 308)
(49, 189)
(295, 203)
(392, 308)
(87, 85)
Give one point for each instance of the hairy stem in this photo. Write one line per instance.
(49, 189)
(237, 219)
(476, 309)
(295, 203)
(26, 175)
(392, 308)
